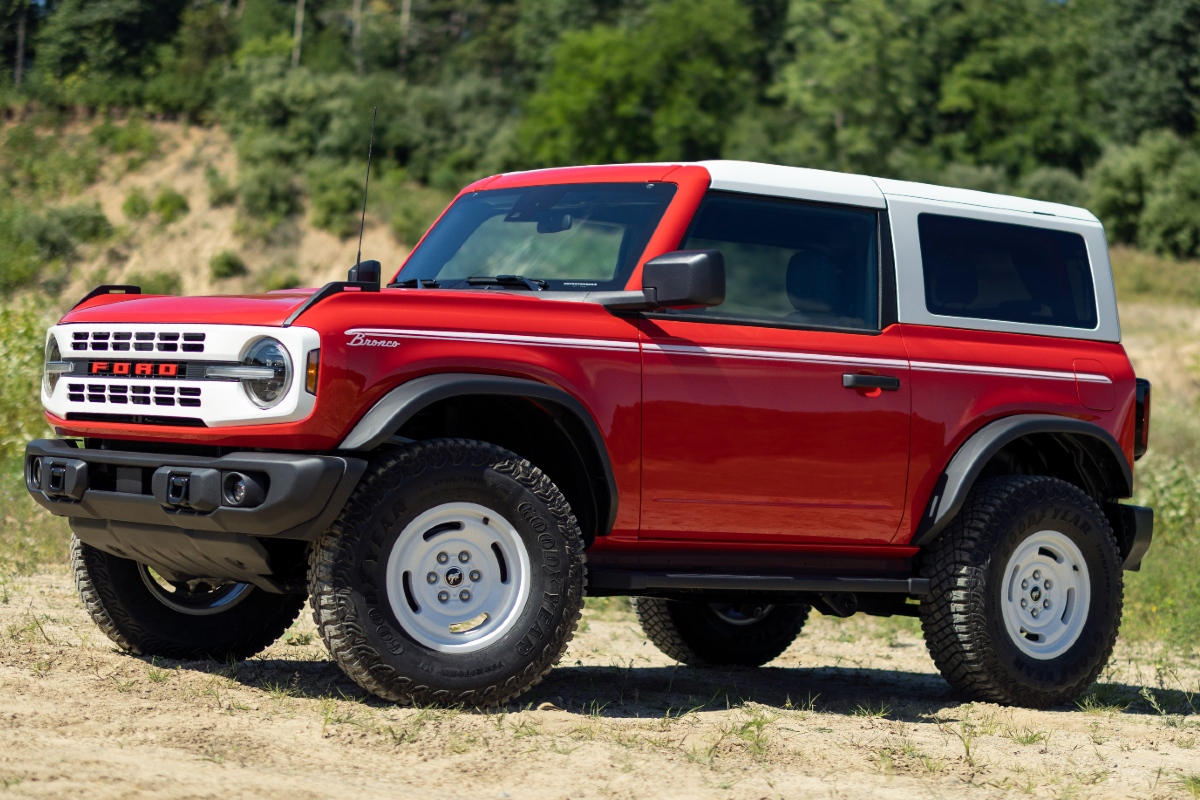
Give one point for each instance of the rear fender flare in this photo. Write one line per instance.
(969, 462)
(399, 405)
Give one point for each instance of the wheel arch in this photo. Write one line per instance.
(1081, 453)
(540, 422)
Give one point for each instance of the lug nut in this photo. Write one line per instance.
(464, 557)
(443, 596)
(1047, 584)
(1024, 602)
(1037, 574)
(1045, 604)
(431, 577)
(1034, 612)
(464, 595)
(1025, 584)
(442, 558)
(475, 575)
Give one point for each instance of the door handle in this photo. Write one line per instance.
(887, 383)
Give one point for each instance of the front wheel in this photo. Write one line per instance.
(199, 618)
(1026, 592)
(454, 575)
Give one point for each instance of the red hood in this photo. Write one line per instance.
(260, 309)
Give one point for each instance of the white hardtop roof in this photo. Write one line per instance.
(859, 190)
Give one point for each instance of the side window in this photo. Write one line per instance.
(1005, 272)
(791, 262)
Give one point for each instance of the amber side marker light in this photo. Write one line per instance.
(310, 371)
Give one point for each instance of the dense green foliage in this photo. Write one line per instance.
(1079, 101)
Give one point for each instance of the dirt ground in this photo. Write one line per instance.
(853, 709)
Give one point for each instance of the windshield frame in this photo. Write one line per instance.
(630, 255)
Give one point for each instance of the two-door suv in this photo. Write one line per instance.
(734, 391)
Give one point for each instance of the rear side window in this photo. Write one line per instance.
(790, 263)
(1005, 272)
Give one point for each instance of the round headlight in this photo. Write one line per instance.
(49, 376)
(267, 392)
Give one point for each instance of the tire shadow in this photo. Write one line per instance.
(630, 692)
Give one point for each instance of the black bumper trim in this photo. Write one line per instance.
(305, 493)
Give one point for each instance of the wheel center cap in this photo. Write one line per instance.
(1035, 593)
(454, 576)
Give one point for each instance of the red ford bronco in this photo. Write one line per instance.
(733, 391)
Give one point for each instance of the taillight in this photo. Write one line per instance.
(1141, 428)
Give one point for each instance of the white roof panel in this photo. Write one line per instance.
(1003, 202)
(803, 184)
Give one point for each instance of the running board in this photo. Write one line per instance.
(619, 580)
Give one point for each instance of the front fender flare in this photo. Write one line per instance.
(967, 464)
(399, 405)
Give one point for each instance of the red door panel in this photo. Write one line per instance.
(749, 434)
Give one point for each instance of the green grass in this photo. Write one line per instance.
(1141, 275)
(1162, 600)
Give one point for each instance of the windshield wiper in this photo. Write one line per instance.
(514, 281)
(415, 283)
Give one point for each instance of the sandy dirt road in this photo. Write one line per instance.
(853, 709)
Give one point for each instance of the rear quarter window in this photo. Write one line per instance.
(1009, 273)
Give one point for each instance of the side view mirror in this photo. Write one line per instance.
(673, 280)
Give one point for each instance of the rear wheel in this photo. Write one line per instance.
(147, 614)
(1026, 592)
(454, 575)
(720, 634)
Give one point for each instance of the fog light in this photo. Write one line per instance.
(235, 489)
(240, 489)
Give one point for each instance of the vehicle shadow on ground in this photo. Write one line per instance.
(626, 692)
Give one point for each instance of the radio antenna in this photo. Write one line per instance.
(366, 187)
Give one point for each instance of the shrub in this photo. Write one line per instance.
(170, 205)
(136, 205)
(336, 198)
(20, 261)
(226, 264)
(157, 282)
(83, 222)
(1170, 221)
(268, 193)
(220, 191)
(278, 278)
(22, 338)
(1124, 176)
(1055, 185)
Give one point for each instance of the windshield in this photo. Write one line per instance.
(574, 237)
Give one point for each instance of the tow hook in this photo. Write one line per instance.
(59, 478)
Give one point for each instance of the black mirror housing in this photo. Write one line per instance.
(365, 272)
(685, 278)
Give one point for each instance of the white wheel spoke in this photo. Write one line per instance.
(458, 577)
(1046, 595)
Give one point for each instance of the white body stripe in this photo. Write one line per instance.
(729, 352)
(498, 338)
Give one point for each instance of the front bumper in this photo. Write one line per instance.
(293, 496)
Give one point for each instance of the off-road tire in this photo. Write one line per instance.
(123, 607)
(347, 580)
(962, 617)
(692, 633)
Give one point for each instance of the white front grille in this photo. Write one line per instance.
(138, 399)
(108, 341)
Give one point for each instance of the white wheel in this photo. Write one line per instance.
(458, 577)
(1047, 595)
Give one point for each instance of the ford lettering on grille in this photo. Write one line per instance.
(138, 369)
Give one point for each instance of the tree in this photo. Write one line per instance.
(667, 87)
(1150, 66)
